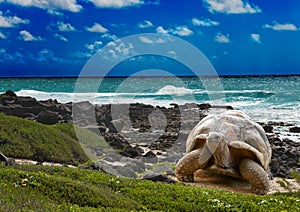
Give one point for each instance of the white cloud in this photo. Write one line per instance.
(11, 21)
(160, 40)
(117, 50)
(80, 55)
(146, 40)
(255, 37)
(50, 6)
(97, 45)
(112, 53)
(123, 50)
(281, 27)
(205, 22)
(182, 31)
(2, 36)
(60, 37)
(46, 55)
(27, 36)
(109, 37)
(172, 54)
(231, 6)
(97, 28)
(222, 38)
(65, 27)
(161, 30)
(145, 24)
(111, 44)
(117, 4)
(179, 30)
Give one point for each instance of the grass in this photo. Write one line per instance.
(49, 188)
(31, 140)
(283, 183)
(296, 175)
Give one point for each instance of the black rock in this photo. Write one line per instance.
(12, 110)
(295, 129)
(10, 93)
(161, 173)
(48, 117)
(285, 156)
(150, 154)
(204, 106)
(92, 166)
(118, 142)
(267, 128)
(157, 177)
(26, 101)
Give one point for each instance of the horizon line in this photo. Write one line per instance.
(153, 76)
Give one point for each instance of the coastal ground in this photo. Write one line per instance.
(169, 147)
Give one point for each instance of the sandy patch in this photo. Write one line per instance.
(203, 179)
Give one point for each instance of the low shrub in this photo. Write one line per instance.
(31, 140)
(71, 189)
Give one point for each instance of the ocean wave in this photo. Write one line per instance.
(167, 93)
(250, 93)
(172, 90)
(261, 109)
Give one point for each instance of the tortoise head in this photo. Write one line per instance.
(214, 140)
(219, 148)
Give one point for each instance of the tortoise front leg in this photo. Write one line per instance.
(256, 176)
(191, 162)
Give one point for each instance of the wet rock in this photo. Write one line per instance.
(120, 143)
(10, 93)
(204, 106)
(8, 98)
(226, 107)
(12, 110)
(155, 177)
(267, 127)
(126, 167)
(160, 174)
(282, 124)
(295, 129)
(92, 166)
(285, 156)
(29, 116)
(48, 117)
(26, 101)
(150, 157)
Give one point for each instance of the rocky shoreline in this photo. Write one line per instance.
(143, 135)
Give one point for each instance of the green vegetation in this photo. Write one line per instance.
(296, 175)
(52, 188)
(49, 188)
(31, 140)
(283, 183)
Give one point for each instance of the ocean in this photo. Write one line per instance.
(265, 98)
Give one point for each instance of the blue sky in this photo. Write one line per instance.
(58, 37)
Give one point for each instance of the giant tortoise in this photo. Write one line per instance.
(229, 144)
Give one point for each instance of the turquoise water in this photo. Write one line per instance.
(263, 98)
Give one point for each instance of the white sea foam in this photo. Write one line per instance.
(260, 109)
(172, 90)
